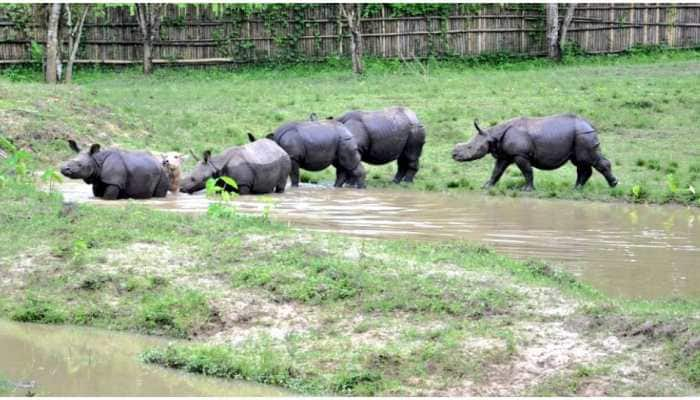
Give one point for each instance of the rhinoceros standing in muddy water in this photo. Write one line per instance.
(314, 145)
(544, 143)
(117, 174)
(387, 135)
(258, 167)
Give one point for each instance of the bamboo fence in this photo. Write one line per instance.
(198, 35)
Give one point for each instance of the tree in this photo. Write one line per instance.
(75, 32)
(52, 62)
(353, 14)
(556, 32)
(148, 15)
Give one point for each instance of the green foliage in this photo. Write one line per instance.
(50, 177)
(638, 192)
(175, 313)
(35, 309)
(693, 365)
(254, 361)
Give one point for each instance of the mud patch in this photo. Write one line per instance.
(148, 259)
(246, 315)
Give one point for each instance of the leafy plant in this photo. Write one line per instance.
(217, 189)
(269, 203)
(638, 192)
(51, 176)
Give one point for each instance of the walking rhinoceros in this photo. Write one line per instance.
(117, 174)
(387, 135)
(258, 167)
(544, 143)
(314, 145)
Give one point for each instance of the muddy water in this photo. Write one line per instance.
(70, 361)
(622, 249)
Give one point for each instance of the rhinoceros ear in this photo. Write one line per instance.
(476, 125)
(206, 156)
(251, 137)
(313, 117)
(94, 148)
(73, 145)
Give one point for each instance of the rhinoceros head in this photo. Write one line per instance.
(83, 165)
(197, 179)
(473, 149)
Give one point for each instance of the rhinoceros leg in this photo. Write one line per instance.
(583, 172)
(294, 174)
(497, 172)
(400, 172)
(409, 159)
(526, 168)
(281, 185)
(340, 176)
(111, 192)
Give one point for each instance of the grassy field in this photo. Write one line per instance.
(643, 106)
(326, 314)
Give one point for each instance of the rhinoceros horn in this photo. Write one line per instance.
(476, 125)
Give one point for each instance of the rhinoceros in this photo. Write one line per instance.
(544, 143)
(387, 135)
(314, 145)
(117, 174)
(258, 167)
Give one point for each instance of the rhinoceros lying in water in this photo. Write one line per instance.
(117, 174)
(258, 167)
(544, 143)
(387, 135)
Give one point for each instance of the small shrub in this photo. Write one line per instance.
(179, 313)
(638, 192)
(39, 310)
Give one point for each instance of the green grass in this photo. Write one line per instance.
(640, 103)
(392, 320)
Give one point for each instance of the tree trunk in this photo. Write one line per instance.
(353, 13)
(565, 25)
(75, 34)
(148, 16)
(147, 57)
(52, 44)
(552, 29)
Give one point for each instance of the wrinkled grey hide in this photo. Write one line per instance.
(258, 167)
(544, 143)
(117, 174)
(314, 145)
(387, 135)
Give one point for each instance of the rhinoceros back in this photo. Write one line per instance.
(137, 174)
(267, 162)
(383, 135)
(313, 144)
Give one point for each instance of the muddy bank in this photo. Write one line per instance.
(70, 361)
(623, 249)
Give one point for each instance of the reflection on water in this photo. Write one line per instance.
(71, 361)
(623, 249)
